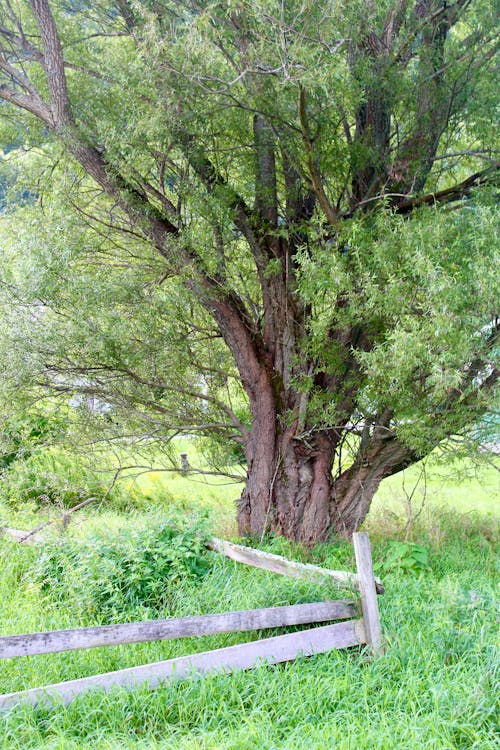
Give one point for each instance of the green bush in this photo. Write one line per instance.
(54, 476)
(24, 433)
(128, 572)
(404, 556)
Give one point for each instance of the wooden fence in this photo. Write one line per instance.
(353, 630)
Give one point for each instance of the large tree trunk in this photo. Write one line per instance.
(291, 490)
(355, 488)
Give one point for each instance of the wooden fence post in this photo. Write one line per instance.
(367, 590)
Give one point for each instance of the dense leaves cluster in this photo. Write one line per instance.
(124, 573)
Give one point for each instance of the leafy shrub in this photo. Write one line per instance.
(53, 476)
(108, 576)
(404, 556)
(23, 434)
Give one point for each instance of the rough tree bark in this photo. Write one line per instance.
(291, 489)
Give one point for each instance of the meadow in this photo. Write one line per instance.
(435, 687)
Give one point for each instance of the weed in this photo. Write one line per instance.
(108, 576)
(404, 556)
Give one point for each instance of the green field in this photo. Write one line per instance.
(434, 687)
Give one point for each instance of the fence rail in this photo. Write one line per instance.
(54, 641)
(278, 564)
(242, 656)
(351, 632)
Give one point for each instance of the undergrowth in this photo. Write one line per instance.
(111, 575)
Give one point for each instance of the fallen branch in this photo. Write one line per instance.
(19, 535)
(64, 519)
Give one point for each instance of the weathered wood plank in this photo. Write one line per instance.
(19, 535)
(184, 627)
(369, 603)
(243, 656)
(278, 564)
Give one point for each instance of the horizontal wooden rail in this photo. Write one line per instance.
(243, 656)
(183, 627)
(19, 535)
(278, 564)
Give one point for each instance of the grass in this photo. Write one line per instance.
(434, 688)
(461, 485)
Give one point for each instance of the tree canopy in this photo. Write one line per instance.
(271, 221)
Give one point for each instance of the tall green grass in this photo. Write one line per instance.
(434, 688)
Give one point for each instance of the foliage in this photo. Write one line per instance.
(405, 557)
(23, 433)
(40, 466)
(54, 477)
(132, 572)
(142, 360)
(251, 209)
(422, 289)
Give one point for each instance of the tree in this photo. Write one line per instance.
(318, 177)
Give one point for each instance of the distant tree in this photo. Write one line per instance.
(318, 178)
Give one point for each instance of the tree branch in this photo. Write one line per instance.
(33, 104)
(266, 200)
(462, 189)
(54, 63)
(314, 174)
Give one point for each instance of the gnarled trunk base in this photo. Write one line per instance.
(291, 491)
(290, 495)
